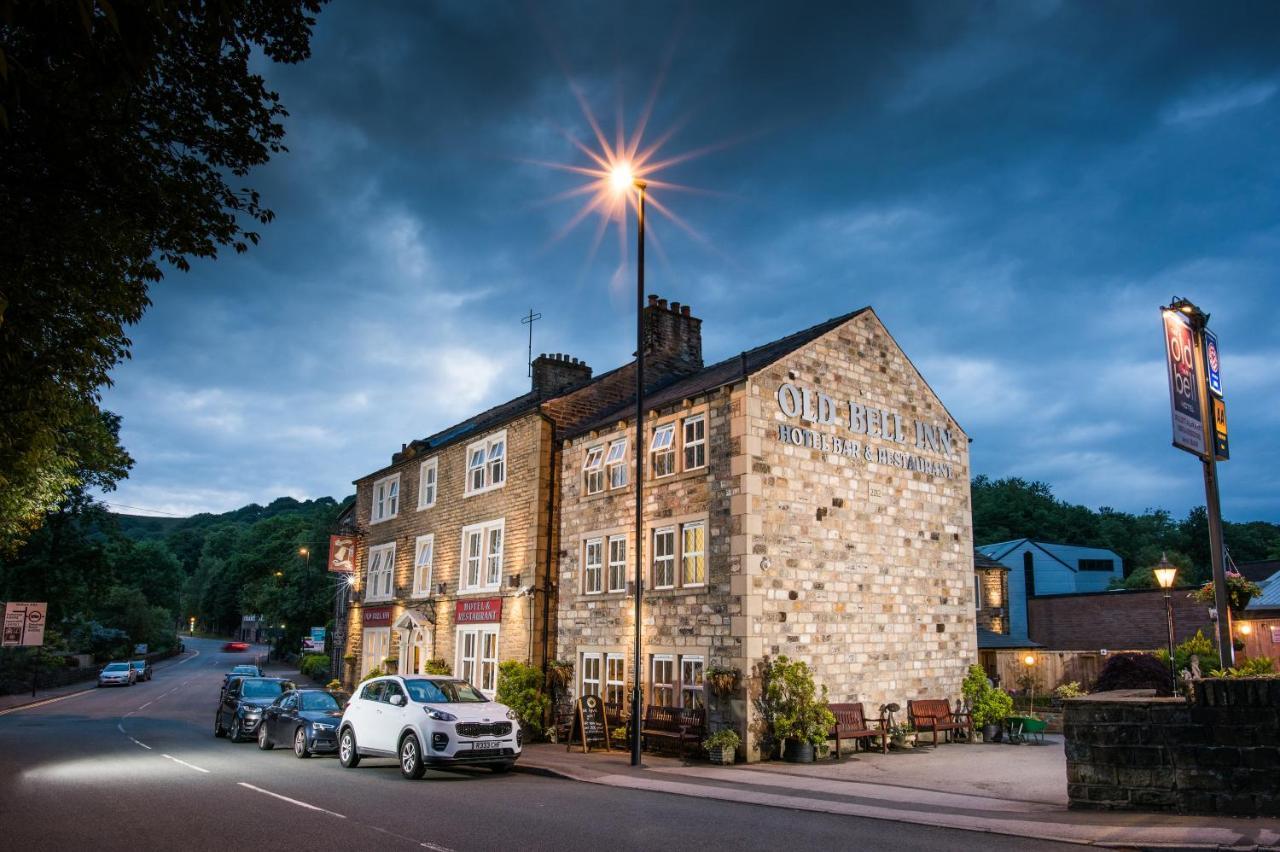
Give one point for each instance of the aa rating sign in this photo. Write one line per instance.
(24, 624)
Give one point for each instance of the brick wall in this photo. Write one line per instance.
(1125, 619)
(1217, 754)
(994, 614)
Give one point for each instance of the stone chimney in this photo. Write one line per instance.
(672, 338)
(554, 374)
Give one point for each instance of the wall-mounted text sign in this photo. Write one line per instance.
(864, 422)
(479, 611)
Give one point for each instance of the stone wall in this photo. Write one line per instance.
(994, 614)
(1217, 754)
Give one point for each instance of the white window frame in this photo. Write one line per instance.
(616, 463)
(671, 687)
(615, 688)
(386, 499)
(698, 445)
(593, 469)
(687, 686)
(479, 667)
(977, 591)
(488, 575)
(592, 663)
(373, 640)
(428, 482)
(668, 558)
(686, 553)
(424, 557)
(380, 575)
(593, 571)
(662, 444)
(617, 566)
(488, 458)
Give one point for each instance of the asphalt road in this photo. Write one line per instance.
(139, 768)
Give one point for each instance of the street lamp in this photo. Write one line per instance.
(1030, 661)
(622, 180)
(1165, 574)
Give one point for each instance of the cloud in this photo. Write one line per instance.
(1220, 101)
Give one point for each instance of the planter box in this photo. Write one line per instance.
(722, 756)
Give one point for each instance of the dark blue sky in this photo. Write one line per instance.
(1015, 187)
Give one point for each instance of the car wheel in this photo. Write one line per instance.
(218, 730)
(501, 768)
(236, 732)
(264, 742)
(300, 743)
(411, 765)
(348, 754)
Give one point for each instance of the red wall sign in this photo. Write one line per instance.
(376, 616)
(342, 554)
(482, 611)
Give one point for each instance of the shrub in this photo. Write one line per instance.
(314, 666)
(725, 738)
(1252, 667)
(1070, 689)
(1199, 645)
(334, 684)
(1134, 671)
(376, 671)
(437, 666)
(988, 704)
(520, 688)
(796, 708)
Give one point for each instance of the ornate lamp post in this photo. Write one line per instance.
(1165, 574)
(1030, 662)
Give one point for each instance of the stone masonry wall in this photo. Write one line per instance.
(862, 567)
(995, 595)
(1217, 754)
(522, 501)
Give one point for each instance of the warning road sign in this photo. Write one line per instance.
(23, 624)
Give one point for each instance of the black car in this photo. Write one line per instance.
(307, 718)
(245, 670)
(244, 699)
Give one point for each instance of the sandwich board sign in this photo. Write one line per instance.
(590, 725)
(23, 623)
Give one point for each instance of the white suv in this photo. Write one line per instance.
(427, 721)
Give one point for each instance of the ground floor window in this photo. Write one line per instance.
(691, 694)
(591, 671)
(662, 688)
(677, 681)
(615, 679)
(478, 657)
(377, 647)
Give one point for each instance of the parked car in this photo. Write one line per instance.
(236, 646)
(428, 721)
(241, 671)
(240, 708)
(143, 668)
(117, 674)
(307, 718)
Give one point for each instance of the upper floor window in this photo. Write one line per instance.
(693, 554)
(427, 483)
(695, 442)
(617, 463)
(423, 558)
(618, 564)
(663, 449)
(486, 463)
(593, 567)
(593, 469)
(482, 556)
(386, 499)
(382, 566)
(664, 558)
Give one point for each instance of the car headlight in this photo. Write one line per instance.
(253, 711)
(322, 726)
(441, 715)
(511, 714)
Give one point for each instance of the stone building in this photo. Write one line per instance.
(808, 498)
(991, 594)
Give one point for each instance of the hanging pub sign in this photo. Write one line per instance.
(1184, 384)
(1213, 363)
(342, 554)
(590, 725)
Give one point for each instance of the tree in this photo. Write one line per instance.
(121, 125)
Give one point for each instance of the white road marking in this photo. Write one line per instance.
(148, 704)
(435, 847)
(120, 725)
(144, 745)
(290, 801)
(184, 763)
(46, 701)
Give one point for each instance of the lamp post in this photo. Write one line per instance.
(1030, 661)
(1165, 574)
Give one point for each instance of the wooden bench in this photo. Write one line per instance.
(851, 724)
(936, 715)
(673, 724)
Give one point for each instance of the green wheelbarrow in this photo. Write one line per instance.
(1021, 729)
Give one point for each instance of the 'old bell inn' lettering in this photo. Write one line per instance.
(886, 424)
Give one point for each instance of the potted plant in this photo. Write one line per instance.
(902, 736)
(722, 746)
(990, 706)
(1240, 590)
(559, 674)
(800, 716)
(722, 680)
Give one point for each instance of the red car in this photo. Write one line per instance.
(236, 646)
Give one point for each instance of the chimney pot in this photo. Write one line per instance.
(684, 311)
(653, 300)
(675, 307)
(662, 303)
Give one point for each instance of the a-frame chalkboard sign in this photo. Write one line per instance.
(590, 725)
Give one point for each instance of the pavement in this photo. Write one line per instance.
(139, 768)
(997, 789)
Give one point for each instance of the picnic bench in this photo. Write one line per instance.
(851, 724)
(936, 715)
(674, 725)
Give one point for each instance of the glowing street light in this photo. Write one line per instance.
(1166, 573)
(1030, 661)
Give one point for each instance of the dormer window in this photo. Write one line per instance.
(487, 463)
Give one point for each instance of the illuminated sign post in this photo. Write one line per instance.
(1184, 384)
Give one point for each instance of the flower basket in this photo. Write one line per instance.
(722, 681)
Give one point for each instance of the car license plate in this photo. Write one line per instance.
(485, 745)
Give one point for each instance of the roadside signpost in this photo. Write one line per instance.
(24, 624)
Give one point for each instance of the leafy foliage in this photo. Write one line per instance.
(520, 687)
(1239, 592)
(1252, 667)
(1134, 671)
(797, 709)
(988, 704)
(437, 666)
(725, 738)
(1200, 646)
(1070, 689)
(121, 126)
(314, 666)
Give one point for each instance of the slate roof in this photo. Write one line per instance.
(1259, 570)
(726, 372)
(1066, 554)
(989, 640)
(1270, 597)
(982, 560)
